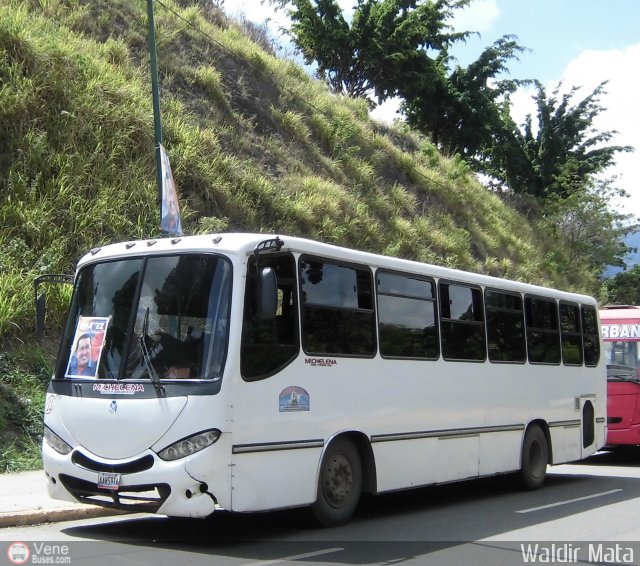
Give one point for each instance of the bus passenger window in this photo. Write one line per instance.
(543, 332)
(337, 309)
(462, 323)
(571, 334)
(590, 336)
(505, 327)
(407, 317)
(269, 345)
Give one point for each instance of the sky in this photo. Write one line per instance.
(577, 42)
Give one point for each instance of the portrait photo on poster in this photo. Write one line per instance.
(87, 346)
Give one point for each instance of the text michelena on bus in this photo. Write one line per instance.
(249, 373)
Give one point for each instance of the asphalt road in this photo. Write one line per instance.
(586, 513)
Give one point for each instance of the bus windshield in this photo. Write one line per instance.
(622, 360)
(157, 317)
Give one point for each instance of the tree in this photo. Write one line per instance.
(623, 288)
(592, 230)
(561, 165)
(562, 156)
(463, 113)
(401, 48)
(387, 43)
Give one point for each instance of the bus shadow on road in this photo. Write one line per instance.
(386, 528)
(627, 456)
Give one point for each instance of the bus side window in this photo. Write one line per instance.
(543, 332)
(590, 336)
(505, 327)
(269, 345)
(462, 323)
(571, 334)
(337, 308)
(407, 317)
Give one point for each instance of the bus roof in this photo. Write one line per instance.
(620, 312)
(243, 244)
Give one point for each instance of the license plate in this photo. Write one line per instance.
(107, 480)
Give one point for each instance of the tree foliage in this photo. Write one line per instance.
(462, 113)
(386, 43)
(623, 288)
(557, 156)
(559, 161)
(592, 230)
(402, 48)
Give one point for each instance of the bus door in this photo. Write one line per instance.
(587, 407)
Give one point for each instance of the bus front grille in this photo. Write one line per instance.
(137, 498)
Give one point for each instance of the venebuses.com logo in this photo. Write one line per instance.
(18, 553)
(38, 553)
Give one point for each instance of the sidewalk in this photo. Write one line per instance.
(24, 501)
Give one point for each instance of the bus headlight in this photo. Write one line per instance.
(189, 445)
(53, 440)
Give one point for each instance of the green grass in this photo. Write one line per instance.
(22, 396)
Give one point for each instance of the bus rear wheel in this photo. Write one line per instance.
(534, 460)
(339, 484)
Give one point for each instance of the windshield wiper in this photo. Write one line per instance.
(619, 377)
(153, 375)
(621, 372)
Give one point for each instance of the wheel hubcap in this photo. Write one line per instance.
(338, 480)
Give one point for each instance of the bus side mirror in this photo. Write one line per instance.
(267, 293)
(41, 300)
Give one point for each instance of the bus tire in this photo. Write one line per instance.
(339, 484)
(534, 459)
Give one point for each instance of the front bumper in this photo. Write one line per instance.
(195, 486)
(623, 436)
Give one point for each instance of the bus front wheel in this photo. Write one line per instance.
(339, 484)
(534, 460)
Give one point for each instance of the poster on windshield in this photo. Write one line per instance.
(86, 347)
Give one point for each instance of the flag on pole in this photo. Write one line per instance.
(170, 221)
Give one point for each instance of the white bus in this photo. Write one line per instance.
(248, 373)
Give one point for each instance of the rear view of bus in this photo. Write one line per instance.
(621, 335)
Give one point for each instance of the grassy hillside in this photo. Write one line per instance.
(255, 144)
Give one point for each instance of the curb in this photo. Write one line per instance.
(21, 518)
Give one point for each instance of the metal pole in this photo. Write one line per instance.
(156, 98)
